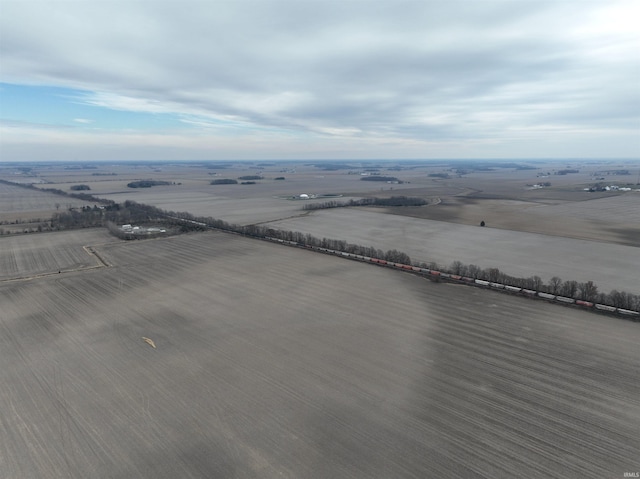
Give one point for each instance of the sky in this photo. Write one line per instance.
(306, 79)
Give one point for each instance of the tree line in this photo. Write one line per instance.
(391, 179)
(56, 191)
(392, 201)
(586, 291)
(131, 212)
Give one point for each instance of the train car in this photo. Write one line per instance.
(628, 312)
(497, 285)
(481, 282)
(604, 307)
(514, 289)
(564, 299)
(546, 295)
(528, 292)
(587, 304)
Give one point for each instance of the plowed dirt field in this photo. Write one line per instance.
(271, 361)
(27, 256)
(517, 253)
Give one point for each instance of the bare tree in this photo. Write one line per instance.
(587, 291)
(457, 267)
(493, 275)
(569, 288)
(474, 271)
(536, 283)
(555, 284)
(620, 299)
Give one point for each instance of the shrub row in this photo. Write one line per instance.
(392, 201)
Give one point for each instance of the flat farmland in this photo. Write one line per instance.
(26, 256)
(610, 266)
(218, 204)
(245, 204)
(19, 203)
(273, 362)
(614, 219)
(499, 194)
(190, 189)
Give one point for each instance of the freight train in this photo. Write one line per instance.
(435, 274)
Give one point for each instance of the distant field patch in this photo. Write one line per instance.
(147, 183)
(19, 203)
(610, 266)
(30, 255)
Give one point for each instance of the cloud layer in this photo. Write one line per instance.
(420, 79)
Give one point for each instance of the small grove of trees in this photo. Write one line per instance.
(250, 177)
(380, 178)
(224, 181)
(79, 187)
(147, 183)
(125, 213)
(392, 201)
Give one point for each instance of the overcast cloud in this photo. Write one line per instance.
(324, 79)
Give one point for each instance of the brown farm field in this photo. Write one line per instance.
(22, 208)
(500, 194)
(271, 361)
(521, 254)
(215, 355)
(611, 219)
(27, 256)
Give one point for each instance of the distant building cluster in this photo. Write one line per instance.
(141, 230)
(537, 186)
(609, 188)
